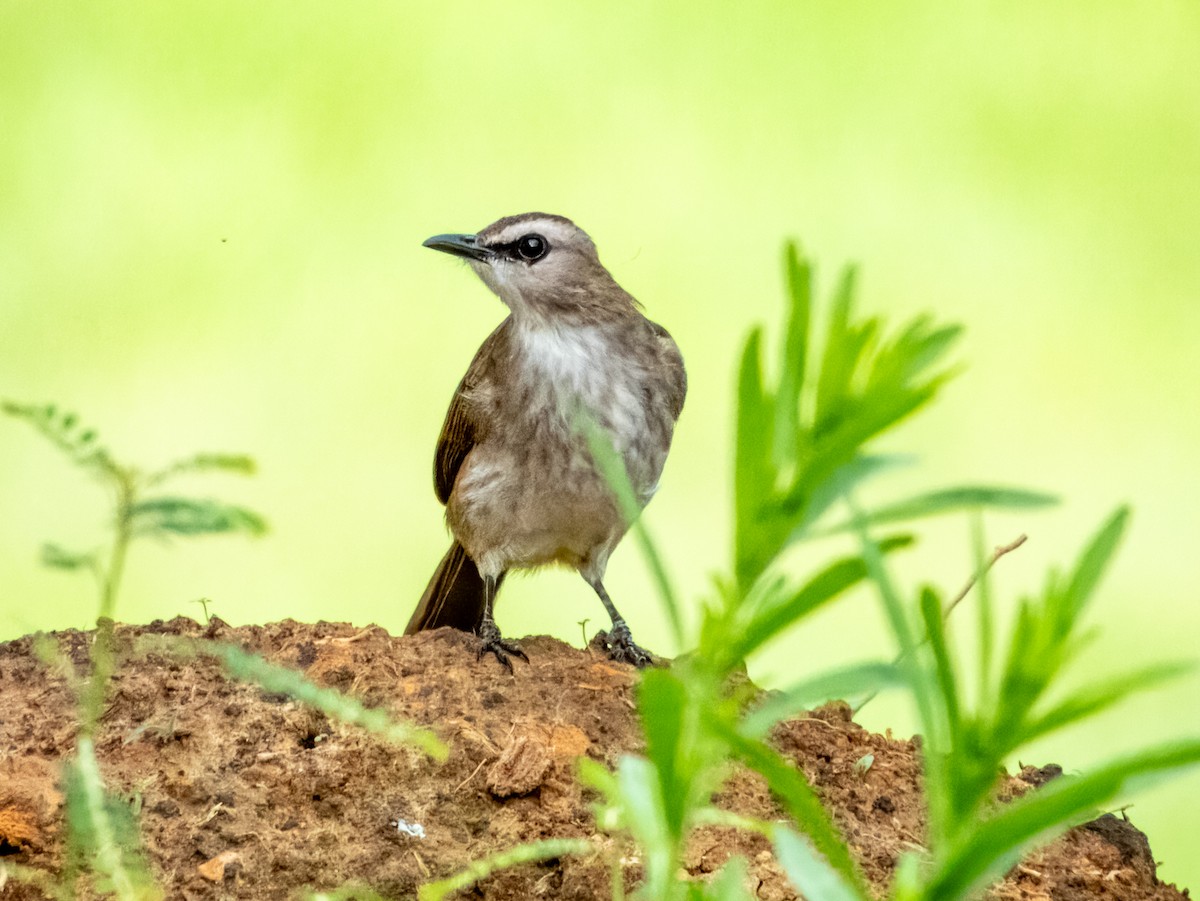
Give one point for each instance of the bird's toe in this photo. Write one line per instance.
(491, 642)
(621, 647)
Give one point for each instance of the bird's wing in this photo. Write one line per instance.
(676, 374)
(460, 431)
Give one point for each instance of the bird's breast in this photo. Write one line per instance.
(557, 378)
(530, 482)
(591, 372)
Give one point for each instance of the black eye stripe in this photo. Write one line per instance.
(526, 249)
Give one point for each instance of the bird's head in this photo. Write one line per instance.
(544, 268)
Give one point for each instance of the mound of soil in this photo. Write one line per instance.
(243, 794)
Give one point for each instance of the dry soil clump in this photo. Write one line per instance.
(244, 794)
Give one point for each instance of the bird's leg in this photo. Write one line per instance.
(489, 634)
(618, 641)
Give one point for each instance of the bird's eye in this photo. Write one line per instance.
(532, 248)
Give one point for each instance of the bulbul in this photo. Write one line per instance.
(512, 464)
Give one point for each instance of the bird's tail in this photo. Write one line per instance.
(454, 596)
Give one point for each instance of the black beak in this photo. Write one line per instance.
(459, 245)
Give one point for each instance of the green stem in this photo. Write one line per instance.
(103, 652)
(126, 491)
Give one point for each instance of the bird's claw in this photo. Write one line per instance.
(620, 646)
(491, 642)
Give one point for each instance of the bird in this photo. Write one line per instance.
(513, 465)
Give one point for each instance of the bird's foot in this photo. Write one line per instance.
(492, 642)
(618, 643)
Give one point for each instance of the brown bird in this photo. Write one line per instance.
(512, 465)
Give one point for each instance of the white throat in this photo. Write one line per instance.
(571, 358)
(583, 366)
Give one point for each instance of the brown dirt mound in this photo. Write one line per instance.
(243, 794)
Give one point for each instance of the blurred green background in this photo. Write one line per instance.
(210, 225)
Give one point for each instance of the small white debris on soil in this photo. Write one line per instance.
(413, 830)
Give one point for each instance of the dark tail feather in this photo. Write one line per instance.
(454, 596)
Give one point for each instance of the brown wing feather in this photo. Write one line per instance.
(674, 360)
(459, 431)
(455, 594)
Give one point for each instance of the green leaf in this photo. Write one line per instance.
(102, 832)
(662, 702)
(903, 359)
(897, 613)
(840, 483)
(238, 464)
(59, 431)
(1098, 695)
(776, 615)
(809, 873)
(798, 800)
(353, 891)
(845, 344)
(186, 516)
(790, 467)
(935, 631)
(729, 884)
(609, 810)
(597, 776)
(838, 684)
(1044, 637)
(840, 443)
(1095, 560)
(640, 791)
(611, 466)
(481, 869)
(754, 476)
(274, 679)
(950, 500)
(787, 431)
(995, 845)
(57, 558)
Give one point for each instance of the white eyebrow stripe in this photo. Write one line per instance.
(547, 228)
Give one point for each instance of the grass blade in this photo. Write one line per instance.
(639, 787)
(249, 667)
(481, 869)
(1099, 695)
(829, 583)
(809, 873)
(612, 468)
(1095, 560)
(111, 851)
(729, 884)
(998, 843)
(795, 352)
(935, 631)
(753, 472)
(800, 801)
(838, 684)
(662, 701)
(950, 500)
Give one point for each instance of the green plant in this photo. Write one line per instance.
(103, 844)
(138, 512)
(247, 667)
(973, 839)
(801, 450)
(102, 837)
(479, 869)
